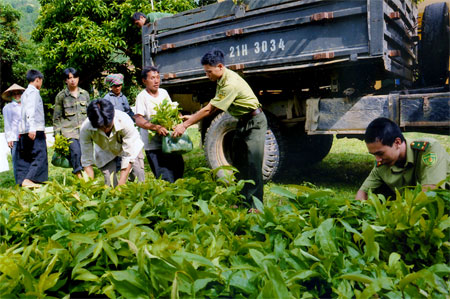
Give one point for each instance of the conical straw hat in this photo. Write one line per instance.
(6, 95)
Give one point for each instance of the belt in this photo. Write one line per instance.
(256, 111)
(250, 114)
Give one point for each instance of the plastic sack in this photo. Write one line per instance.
(60, 161)
(176, 145)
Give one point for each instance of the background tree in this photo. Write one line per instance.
(10, 45)
(93, 36)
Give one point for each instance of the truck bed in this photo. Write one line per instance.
(267, 36)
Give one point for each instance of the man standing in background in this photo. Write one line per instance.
(69, 114)
(32, 163)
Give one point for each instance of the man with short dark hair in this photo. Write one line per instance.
(69, 113)
(168, 167)
(140, 19)
(236, 97)
(401, 162)
(31, 152)
(114, 135)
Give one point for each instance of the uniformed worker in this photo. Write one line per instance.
(235, 96)
(402, 162)
(69, 113)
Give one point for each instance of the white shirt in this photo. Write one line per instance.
(123, 141)
(11, 117)
(32, 115)
(145, 106)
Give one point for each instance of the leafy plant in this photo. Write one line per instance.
(167, 115)
(157, 239)
(61, 145)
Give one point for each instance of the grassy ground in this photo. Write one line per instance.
(343, 170)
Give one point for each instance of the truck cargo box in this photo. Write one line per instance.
(267, 36)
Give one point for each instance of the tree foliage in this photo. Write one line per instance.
(93, 36)
(10, 49)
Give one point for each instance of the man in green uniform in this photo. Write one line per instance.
(69, 113)
(235, 96)
(401, 162)
(139, 19)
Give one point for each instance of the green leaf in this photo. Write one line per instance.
(136, 209)
(280, 288)
(357, 277)
(257, 256)
(85, 275)
(111, 254)
(203, 206)
(309, 256)
(283, 192)
(120, 230)
(191, 257)
(324, 237)
(81, 238)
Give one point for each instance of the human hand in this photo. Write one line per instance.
(10, 144)
(178, 130)
(32, 135)
(161, 130)
(185, 117)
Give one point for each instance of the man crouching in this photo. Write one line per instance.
(115, 136)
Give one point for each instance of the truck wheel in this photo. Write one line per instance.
(218, 144)
(305, 149)
(434, 45)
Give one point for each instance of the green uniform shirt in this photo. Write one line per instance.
(427, 163)
(70, 112)
(234, 95)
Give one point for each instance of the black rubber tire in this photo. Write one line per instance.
(304, 150)
(434, 45)
(219, 138)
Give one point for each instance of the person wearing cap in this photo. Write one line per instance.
(120, 102)
(236, 97)
(31, 150)
(11, 118)
(115, 95)
(69, 113)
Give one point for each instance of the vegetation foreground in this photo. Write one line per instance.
(157, 239)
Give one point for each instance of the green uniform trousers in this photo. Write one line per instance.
(248, 154)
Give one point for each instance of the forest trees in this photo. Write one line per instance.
(10, 49)
(93, 36)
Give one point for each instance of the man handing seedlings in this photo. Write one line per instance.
(235, 96)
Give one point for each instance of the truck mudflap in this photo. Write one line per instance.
(427, 112)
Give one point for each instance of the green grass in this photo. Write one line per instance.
(343, 170)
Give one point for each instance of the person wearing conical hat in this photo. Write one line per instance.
(11, 117)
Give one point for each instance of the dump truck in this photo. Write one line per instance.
(320, 68)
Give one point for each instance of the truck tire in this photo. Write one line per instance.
(218, 144)
(304, 150)
(434, 45)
